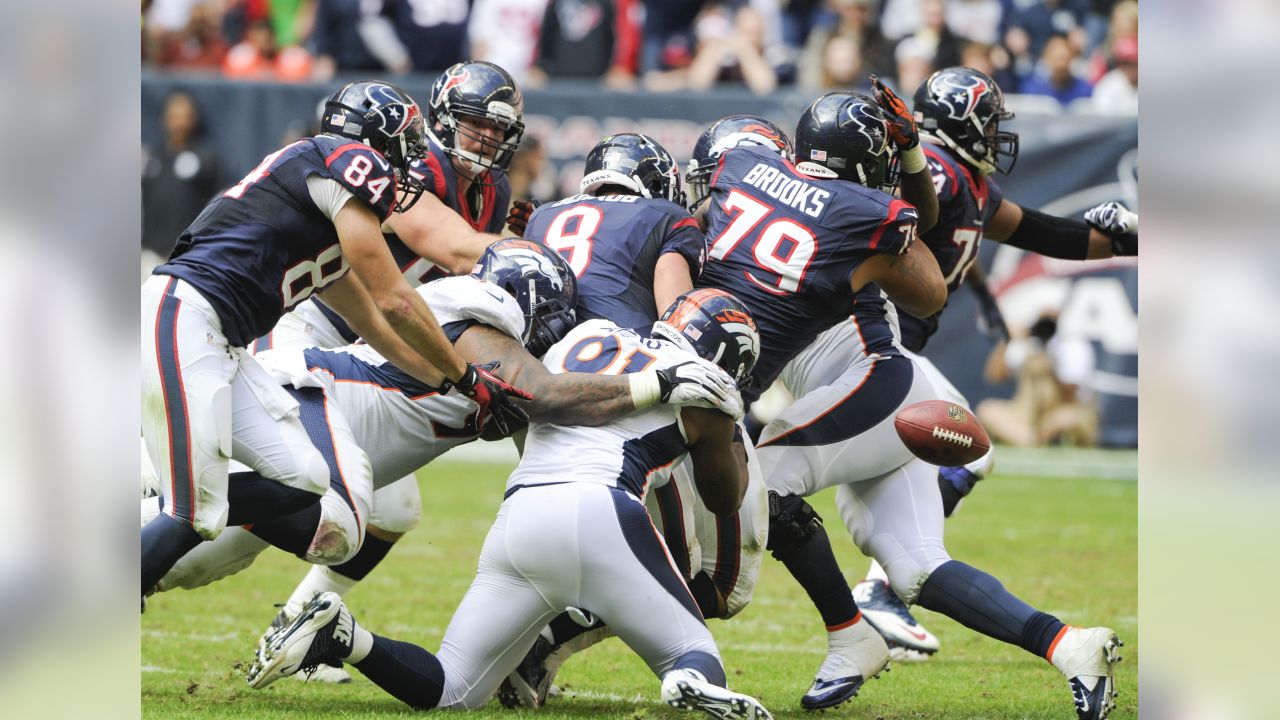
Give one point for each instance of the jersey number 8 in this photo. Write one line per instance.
(307, 276)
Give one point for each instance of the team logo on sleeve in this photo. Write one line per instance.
(960, 94)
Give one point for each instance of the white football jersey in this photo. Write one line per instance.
(401, 423)
(629, 453)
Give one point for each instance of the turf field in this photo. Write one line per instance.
(1069, 547)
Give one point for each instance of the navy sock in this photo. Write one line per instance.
(814, 566)
(407, 672)
(371, 552)
(950, 496)
(955, 483)
(1041, 630)
(254, 498)
(164, 541)
(704, 663)
(292, 533)
(705, 593)
(976, 600)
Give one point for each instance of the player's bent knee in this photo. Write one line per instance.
(397, 508)
(233, 551)
(909, 571)
(792, 521)
(338, 534)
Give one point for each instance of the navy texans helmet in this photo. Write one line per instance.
(476, 91)
(540, 281)
(729, 132)
(716, 326)
(635, 162)
(844, 135)
(962, 108)
(386, 119)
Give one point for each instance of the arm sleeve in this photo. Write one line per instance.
(329, 195)
(683, 237)
(1051, 236)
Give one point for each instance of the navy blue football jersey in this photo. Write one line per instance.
(264, 246)
(613, 243)
(436, 173)
(966, 201)
(786, 244)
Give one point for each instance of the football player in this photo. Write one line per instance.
(289, 229)
(960, 111)
(517, 303)
(574, 537)
(839, 433)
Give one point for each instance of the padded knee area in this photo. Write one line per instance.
(792, 521)
(908, 569)
(397, 508)
(338, 535)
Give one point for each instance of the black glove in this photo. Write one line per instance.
(518, 217)
(494, 396)
(902, 125)
(991, 320)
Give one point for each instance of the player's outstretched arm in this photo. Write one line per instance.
(1065, 238)
(671, 279)
(719, 459)
(589, 399)
(404, 310)
(350, 299)
(912, 279)
(432, 230)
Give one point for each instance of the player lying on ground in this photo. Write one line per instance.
(573, 538)
(839, 433)
(960, 111)
(291, 228)
(519, 297)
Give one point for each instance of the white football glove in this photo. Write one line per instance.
(700, 384)
(1112, 218)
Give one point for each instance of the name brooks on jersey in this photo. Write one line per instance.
(802, 196)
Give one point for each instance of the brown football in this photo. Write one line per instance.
(942, 433)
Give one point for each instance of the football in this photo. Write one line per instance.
(942, 433)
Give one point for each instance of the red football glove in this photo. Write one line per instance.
(518, 217)
(495, 397)
(902, 126)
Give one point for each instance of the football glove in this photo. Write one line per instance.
(518, 217)
(1118, 223)
(902, 125)
(495, 397)
(990, 319)
(700, 384)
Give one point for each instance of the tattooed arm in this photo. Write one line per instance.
(912, 280)
(563, 399)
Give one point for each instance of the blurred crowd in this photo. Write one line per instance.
(1072, 53)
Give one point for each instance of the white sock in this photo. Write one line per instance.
(319, 579)
(876, 572)
(361, 644)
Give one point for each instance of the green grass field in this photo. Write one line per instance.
(1069, 547)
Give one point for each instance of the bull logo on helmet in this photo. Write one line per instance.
(453, 77)
(960, 95)
(873, 129)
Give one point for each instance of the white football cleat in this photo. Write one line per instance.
(687, 689)
(854, 654)
(322, 633)
(1087, 657)
(323, 673)
(908, 640)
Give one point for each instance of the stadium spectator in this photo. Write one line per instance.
(1055, 77)
(855, 22)
(977, 20)
(668, 44)
(1028, 26)
(253, 57)
(199, 45)
(1123, 23)
(178, 177)
(336, 42)
(406, 35)
(915, 64)
(1052, 401)
(799, 18)
(589, 39)
(515, 47)
(990, 59)
(899, 18)
(1117, 92)
(731, 48)
(934, 36)
(291, 20)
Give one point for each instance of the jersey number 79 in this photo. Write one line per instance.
(783, 247)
